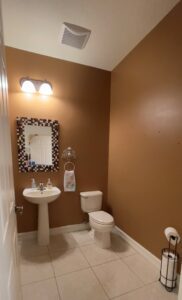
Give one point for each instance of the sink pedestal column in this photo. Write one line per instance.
(43, 225)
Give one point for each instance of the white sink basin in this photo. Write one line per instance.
(42, 198)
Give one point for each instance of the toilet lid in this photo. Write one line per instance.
(101, 217)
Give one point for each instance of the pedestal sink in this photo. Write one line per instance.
(42, 198)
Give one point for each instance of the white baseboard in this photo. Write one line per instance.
(69, 228)
(27, 235)
(54, 231)
(139, 248)
(143, 251)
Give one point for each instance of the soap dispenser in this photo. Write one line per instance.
(49, 184)
(33, 184)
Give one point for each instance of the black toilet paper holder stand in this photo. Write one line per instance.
(170, 250)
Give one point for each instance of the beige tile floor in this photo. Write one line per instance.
(72, 267)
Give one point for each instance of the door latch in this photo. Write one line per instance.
(19, 209)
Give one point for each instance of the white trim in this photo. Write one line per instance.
(139, 248)
(27, 235)
(69, 228)
(180, 287)
(54, 231)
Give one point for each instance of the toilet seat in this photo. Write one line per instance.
(101, 217)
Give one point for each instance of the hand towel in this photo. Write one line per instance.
(69, 181)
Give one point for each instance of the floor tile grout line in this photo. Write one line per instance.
(59, 292)
(113, 259)
(100, 283)
(82, 245)
(134, 290)
(54, 275)
(144, 258)
(33, 282)
(85, 268)
(103, 263)
(85, 256)
(123, 293)
(97, 279)
(89, 264)
(121, 259)
(59, 276)
(62, 249)
(49, 253)
(44, 280)
(91, 267)
(52, 266)
(80, 269)
(132, 271)
(129, 292)
(103, 286)
(136, 274)
(114, 251)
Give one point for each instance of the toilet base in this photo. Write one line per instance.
(102, 239)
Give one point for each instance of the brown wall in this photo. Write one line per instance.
(145, 160)
(81, 105)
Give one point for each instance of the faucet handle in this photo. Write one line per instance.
(41, 187)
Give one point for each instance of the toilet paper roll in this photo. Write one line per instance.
(168, 276)
(170, 231)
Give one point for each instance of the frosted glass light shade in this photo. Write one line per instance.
(27, 86)
(45, 89)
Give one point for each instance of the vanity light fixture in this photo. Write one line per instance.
(32, 86)
(27, 86)
(45, 88)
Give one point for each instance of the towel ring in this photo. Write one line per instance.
(71, 164)
(69, 154)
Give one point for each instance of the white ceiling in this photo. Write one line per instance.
(117, 27)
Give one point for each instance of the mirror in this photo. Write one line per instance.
(37, 145)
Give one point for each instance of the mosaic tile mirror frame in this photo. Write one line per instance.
(38, 144)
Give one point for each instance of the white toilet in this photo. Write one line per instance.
(100, 221)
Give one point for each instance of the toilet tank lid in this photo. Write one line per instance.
(91, 193)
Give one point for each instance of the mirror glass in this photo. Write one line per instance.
(38, 145)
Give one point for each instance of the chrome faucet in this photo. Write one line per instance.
(41, 187)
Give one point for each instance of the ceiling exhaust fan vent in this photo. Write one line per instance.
(74, 36)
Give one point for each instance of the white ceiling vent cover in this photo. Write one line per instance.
(74, 36)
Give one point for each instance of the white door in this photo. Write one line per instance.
(9, 272)
(180, 287)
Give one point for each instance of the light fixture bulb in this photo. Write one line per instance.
(27, 86)
(45, 89)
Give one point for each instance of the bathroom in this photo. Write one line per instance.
(118, 106)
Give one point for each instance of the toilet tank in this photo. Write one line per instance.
(91, 201)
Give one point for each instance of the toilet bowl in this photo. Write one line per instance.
(100, 221)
